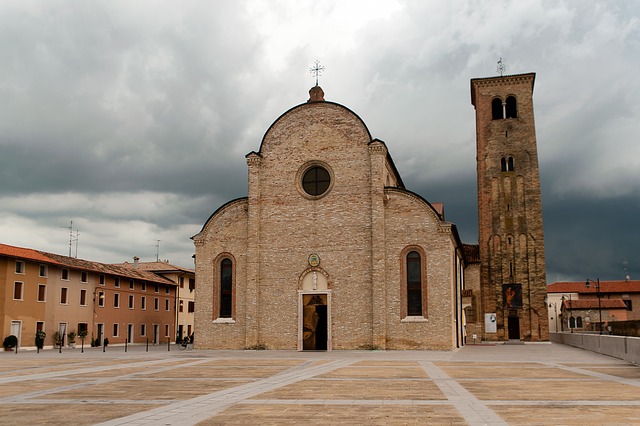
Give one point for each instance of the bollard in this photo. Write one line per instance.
(125, 344)
(147, 344)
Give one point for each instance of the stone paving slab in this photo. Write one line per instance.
(545, 390)
(323, 414)
(374, 363)
(627, 372)
(495, 385)
(219, 372)
(358, 389)
(55, 415)
(377, 372)
(253, 362)
(12, 389)
(573, 416)
(509, 372)
(140, 390)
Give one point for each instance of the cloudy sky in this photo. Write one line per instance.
(132, 119)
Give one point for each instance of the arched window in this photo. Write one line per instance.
(572, 322)
(507, 164)
(414, 284)
(226, 288)
(511, 108)
(579, 322)
(496, 109)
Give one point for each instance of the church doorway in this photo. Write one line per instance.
(514, 327)
(314, 324)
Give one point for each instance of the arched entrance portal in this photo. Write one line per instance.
(314, 313)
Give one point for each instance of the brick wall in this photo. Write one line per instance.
(358, 229)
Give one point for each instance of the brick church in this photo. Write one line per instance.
(330, 250)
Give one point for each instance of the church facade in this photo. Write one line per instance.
(329, 250)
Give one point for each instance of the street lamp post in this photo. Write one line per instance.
(561, 310)
(597, 283)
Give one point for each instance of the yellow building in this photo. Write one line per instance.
(54, 293)
(185, 279)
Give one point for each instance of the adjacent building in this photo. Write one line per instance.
(185, 280)
(574, 306)
(55, 293)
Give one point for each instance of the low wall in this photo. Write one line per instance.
(625, 328)
(622, 347)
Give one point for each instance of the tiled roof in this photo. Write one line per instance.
(156, 267)
(593, 304)
(471, 253)
(86, 265)
(24, 253)
(621, 286)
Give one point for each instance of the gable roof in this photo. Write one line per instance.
(620, 286)
(155, 267)
(86, 265)
(593, 304)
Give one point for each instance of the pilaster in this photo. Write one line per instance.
(378, 155)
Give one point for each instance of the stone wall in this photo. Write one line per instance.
(622, 347)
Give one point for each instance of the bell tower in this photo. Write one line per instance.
(512, 265)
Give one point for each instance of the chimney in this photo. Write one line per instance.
(135, 262)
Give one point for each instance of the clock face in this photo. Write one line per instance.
(314, 260)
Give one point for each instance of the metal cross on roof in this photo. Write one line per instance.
(501, 67)
(316, 70)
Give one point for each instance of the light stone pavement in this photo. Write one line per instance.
(532, 384)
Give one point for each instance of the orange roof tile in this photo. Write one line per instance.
(155, 266)
(24, 253)
(87, 265)
(593, 304)
(621, 286)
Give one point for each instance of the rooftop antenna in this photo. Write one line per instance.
(625, 264)
(316, 70)
(157, 250)
(76, 240)
(501, 67)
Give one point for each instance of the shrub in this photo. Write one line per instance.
(10, 341)
(40, 336)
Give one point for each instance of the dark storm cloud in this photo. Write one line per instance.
(95, 102)
(133, 118)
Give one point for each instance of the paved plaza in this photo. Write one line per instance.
(533, 384)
